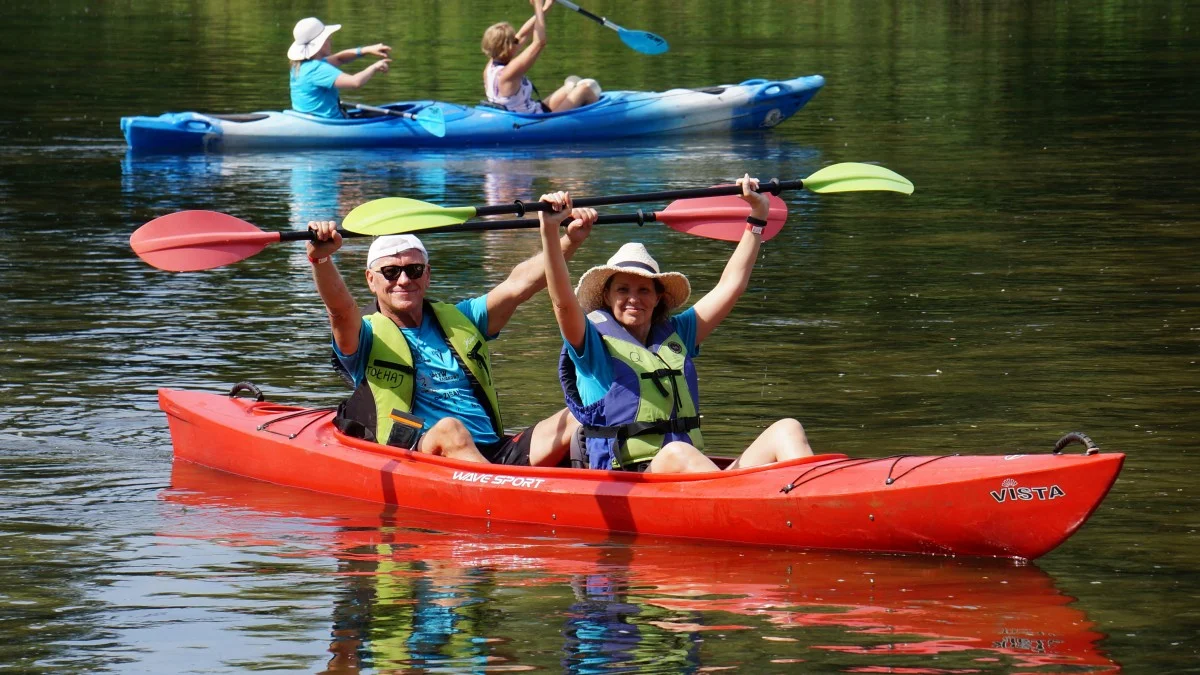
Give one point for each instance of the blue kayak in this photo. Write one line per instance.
(750, 105)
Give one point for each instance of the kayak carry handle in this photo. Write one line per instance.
(769, 89)
(1077, 437)
(246, 385)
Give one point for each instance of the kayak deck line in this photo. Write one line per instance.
(859, 461)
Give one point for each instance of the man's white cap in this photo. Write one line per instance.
(310, 34)
(393, 244)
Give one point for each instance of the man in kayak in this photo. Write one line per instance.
(504, 80)
(316, 76)
(627, 369)
(421, 368)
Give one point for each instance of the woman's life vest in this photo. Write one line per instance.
(652, 401)
(390, 376)
(521, 102)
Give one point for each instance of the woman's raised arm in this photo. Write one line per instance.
(572, 322)
(712, 309)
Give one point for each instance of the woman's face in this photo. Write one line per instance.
(326, 49)
(631, 298)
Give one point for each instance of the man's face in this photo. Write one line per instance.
(403, 293)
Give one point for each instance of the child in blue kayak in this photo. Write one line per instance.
(315, 74)
(627, 367)
(511, 53)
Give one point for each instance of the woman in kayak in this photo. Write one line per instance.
(504, 79)
(316, 76)
(627, 369)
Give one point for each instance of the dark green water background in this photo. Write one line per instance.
(1042, 279)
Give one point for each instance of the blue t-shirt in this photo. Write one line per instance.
(312, 88)
(441, 388)
(593, 373)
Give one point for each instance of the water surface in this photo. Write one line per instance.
(1041, 280)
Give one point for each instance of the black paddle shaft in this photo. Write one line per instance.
(593, 17)
(773, 186)
(310, 235)
(641, 217)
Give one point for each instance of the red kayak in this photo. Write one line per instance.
(1015, 506)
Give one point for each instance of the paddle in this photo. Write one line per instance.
(637, 40)
(722, 218)
(188, 241)
(430, 118)
(398, 215)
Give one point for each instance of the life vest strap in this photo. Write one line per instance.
(679, 425)
(402, 367)
(658, 375)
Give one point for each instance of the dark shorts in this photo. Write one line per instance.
(510, 450)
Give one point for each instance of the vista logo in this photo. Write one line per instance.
(1010, 492)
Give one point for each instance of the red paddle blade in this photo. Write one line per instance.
(187, 241)
(721, 218)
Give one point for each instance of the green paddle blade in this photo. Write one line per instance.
(855, 176)
(399, 215)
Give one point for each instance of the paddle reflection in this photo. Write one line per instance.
(418, 590)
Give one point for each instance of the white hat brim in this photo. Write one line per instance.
(302, 51)
(590, 290)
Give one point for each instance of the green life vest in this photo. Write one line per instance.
(390, 372)
(664, 395)
(651, 401)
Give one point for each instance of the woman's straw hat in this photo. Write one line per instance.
(632, 258)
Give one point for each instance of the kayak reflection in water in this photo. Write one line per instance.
(316, 76)
(504, 80)
(421, 368)
(626, 368)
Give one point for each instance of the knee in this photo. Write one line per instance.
(675, 457)
(788, 426)
(788, 436)
(587, 90)
(447, 432)
(676, 451)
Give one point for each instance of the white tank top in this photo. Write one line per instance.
(521, 102)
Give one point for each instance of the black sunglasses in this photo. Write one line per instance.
(392, 272)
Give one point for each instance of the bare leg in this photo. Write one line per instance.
(569, 97)
(781, 441)
(551, 438)
(449, 438)
(680, 457)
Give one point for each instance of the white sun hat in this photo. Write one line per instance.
(310, 34)
(632, 258)
(392, 244)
